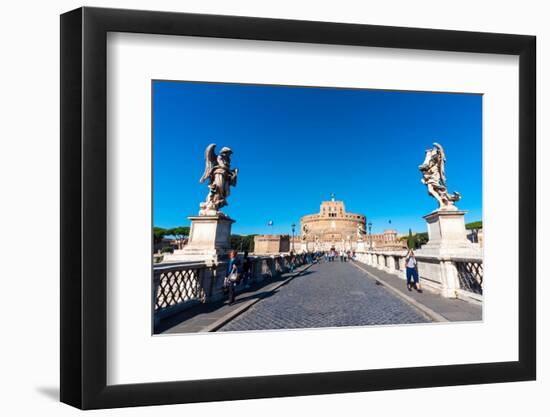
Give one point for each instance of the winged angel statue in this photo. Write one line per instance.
(361, 232)
(433, 175)
(220, 176)
(305, 231)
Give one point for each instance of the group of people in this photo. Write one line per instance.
(333, 254)
(239, 271)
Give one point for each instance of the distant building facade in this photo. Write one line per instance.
(334, 227)
(266, 244)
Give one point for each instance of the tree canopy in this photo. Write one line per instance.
(158, 234)
(474, 225)
(244, 243)
(410, 240)
(179, 232)
(415, 240)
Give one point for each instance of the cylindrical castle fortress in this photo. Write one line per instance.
(332, 226)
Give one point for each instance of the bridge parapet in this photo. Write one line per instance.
(179, 286)
(450, 276)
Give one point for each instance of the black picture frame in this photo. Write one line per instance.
(84, 207)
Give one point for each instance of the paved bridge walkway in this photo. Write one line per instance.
(443, 309)
(329, 295)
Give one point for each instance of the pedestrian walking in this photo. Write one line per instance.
(412, 272)
(246, 270)
(292, 262)
(232, 276)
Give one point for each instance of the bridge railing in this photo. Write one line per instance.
(452, 277)
(470, 275)
(179, 286)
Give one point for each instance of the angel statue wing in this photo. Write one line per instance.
(210, 161)
(441, 163)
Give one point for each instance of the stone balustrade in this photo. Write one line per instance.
(181, 285)
(452, 277)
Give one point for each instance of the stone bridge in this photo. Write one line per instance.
(370, 290)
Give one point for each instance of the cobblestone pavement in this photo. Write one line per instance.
(328, 295)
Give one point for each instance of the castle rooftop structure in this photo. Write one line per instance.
(334, 227)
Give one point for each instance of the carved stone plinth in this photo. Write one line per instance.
(361, 246)
(209, 239)
(447, 235)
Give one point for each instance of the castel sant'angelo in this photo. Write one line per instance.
(333, 227)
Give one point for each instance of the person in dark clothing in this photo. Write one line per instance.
(246, 272)
(292, 262)
(232, 276)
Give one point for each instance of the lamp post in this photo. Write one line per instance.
(293, 229)
(370, 235)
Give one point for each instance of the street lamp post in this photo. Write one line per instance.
(293, 229)
(370, 235)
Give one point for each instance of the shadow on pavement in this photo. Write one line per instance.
(210, 309)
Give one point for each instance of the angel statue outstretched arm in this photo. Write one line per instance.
(305, 231)
(360, 231)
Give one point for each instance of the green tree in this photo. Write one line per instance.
(416, 240)
(474, 225)
(158, 234)
(420, 239)
(411, 244)
(249, 243)
(242, 243)
(180, 233)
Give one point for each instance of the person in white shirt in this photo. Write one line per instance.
(412, 272)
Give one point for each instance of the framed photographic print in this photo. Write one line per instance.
(258, 208)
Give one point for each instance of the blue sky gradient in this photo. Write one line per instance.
(294, 146)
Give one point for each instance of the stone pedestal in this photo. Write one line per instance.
(304, 247)
(447, 235)
(209, 239)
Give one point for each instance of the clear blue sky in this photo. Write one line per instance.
(294, 146)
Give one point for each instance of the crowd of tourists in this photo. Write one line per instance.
(342, 255)
(239, 270)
